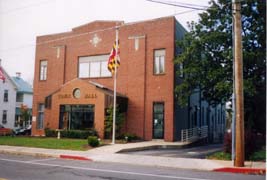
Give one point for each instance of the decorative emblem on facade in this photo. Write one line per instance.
(95, 40)
(77, 93)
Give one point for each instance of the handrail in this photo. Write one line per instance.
(194, 134)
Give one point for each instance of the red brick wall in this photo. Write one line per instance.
(135, 75)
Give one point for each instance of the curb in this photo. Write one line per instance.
(74, 157)
(255, 171)
(45, 155)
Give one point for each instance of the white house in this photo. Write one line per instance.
(14, 92)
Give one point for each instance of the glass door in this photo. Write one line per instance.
(158, 120)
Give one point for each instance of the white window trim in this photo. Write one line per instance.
(91, 59)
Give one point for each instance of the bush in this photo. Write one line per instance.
(253, 142)
(76, 134)
(130, 137)
(50, 132)
(258, 156)
(93, 141)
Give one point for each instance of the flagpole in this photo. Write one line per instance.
(115, 89)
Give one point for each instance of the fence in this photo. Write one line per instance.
(194, 134)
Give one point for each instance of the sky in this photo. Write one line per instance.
(22, 20)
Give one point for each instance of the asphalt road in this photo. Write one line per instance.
(17, 167)
(199, 152)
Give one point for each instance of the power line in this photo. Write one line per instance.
(24, 7)
(178, 5)
(81, 34)
(187, 4)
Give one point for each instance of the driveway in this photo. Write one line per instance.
(199, 152)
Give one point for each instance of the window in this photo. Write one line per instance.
(94, 66)
(6, 96)
(19, 97)
(48, 102)
(76, 116)
(43, 70)
(40, 119)
(4, 117)
(159, 61)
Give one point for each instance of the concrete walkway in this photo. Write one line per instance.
(109, 153)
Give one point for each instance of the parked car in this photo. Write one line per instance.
(5, 131)
(24, 131)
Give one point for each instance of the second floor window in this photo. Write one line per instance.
(43, 70)
(6, 96)
(19, 97)
(94, 66)
(159, 61)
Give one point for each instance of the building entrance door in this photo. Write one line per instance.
(158, 120)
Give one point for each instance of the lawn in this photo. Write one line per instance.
(43, 142)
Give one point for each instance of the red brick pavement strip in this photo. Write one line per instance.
(75, 157)
(255, 171)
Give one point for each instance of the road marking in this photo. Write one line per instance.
(40, 160)
(103, 170)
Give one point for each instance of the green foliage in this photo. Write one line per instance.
(120, 118)
(253, 143)
(50, 132)
(129, 137)
(207, 58)
(93, 141)
(220, 156)
(76, 134)
(258, 156)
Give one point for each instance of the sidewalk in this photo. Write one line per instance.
(109, 153)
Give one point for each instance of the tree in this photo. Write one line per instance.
(25, 115)
(207, 58)
(120, 118)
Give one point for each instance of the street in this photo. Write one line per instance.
(18, 167)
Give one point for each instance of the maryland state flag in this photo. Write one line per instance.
(111, 61)
(2, 75)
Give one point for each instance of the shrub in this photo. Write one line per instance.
(76, 134)
(93, 141)
(50, 132)
(130, 137)
(253, 142)
(258, 156)
(120, 118)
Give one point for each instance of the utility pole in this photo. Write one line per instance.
(238, 66)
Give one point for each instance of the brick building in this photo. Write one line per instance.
(72, 86)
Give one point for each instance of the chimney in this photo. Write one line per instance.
(18, 74)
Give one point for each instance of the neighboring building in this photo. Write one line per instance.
(73, 88)
(8, 91)
(14, 93)
(24, 97)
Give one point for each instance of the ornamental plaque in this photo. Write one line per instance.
(95, 40)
